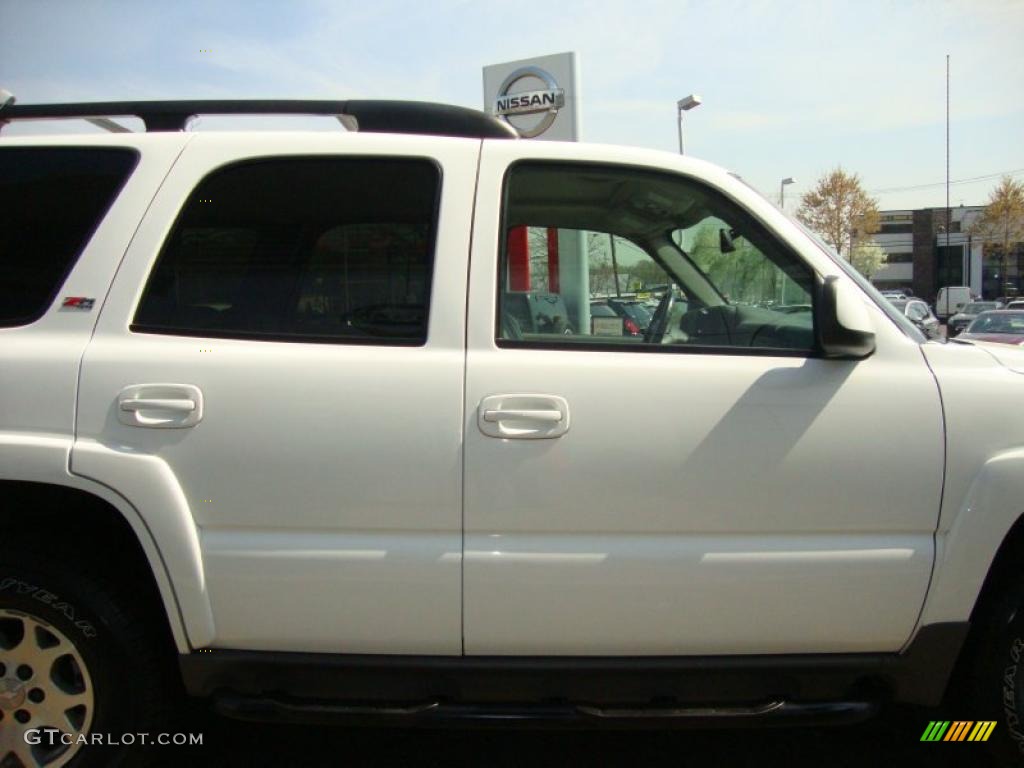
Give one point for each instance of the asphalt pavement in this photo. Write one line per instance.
(889, 740)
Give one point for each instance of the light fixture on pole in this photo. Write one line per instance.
(685, 105)
(782, 190)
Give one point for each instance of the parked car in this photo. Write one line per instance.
(963, 318)
(951, 300)
(1016, 304)
(537, 312)
(600, 313)
(894, 294)
(283, 426)
(636, 317)
(920, 314)
(1004, 326)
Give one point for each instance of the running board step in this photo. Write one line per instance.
(435, 713)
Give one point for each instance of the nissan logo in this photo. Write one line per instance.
(545, 100)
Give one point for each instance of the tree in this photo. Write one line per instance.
(1001, 226)
(742, 273)
(868, 258)
(839, 210)
(648, 273)
(602, 273)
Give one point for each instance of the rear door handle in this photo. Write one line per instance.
(160, 406)
(145, 404)
(523, 417)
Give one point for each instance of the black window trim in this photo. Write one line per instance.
(815, 352)
(380, 341)
(51, 301)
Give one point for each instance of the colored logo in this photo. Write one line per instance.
(78, 302)
(959, 730)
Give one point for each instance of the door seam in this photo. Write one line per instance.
(465, 416)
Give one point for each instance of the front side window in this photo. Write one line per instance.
(301, 249)
(599, 255)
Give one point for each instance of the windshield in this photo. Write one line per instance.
(977, 307)
(998, 322)
(602, 310)
(636, 313)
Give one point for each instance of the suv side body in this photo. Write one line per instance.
(349, 479)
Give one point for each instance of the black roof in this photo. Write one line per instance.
(370, 116)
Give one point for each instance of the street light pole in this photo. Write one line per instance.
(685, 105)
(782, 191)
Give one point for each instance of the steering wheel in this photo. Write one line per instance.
(659, 323)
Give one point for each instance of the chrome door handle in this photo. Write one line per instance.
(140, 404)
(523, 415)
(160, 406)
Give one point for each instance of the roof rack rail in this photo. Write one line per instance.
(366, 116)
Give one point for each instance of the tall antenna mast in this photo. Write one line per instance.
(947, 168)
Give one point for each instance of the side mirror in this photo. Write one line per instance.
(843, 324)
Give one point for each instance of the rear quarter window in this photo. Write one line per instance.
(52, 199)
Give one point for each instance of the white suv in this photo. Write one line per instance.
(271, 426)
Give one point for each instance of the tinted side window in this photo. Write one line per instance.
(51, 201)
(301, 249)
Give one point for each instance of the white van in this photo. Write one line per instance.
(951, 300)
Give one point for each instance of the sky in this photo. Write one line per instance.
(789, 88)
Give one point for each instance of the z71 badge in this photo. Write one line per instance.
(78, 302)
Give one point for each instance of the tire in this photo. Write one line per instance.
(73, 656)
(993, 680)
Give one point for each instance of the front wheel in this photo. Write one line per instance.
(77, 670)
(994, 681)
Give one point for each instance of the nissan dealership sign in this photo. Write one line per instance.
(543, 103)
(537, 97)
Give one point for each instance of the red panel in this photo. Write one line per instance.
(553, 285)
(518, 260)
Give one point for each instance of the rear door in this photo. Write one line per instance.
(713, 486)
(68, 207)
(282, 357)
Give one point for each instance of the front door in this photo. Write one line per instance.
(657, 459)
